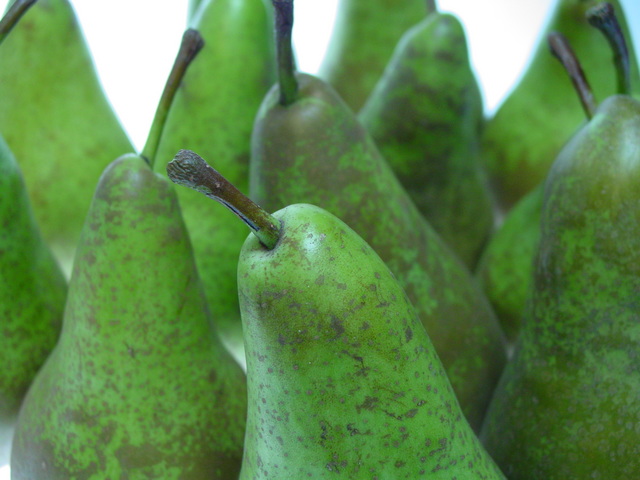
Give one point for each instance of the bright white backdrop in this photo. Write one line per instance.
(134, 43)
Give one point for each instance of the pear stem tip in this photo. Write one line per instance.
(190, 170)
(432, 6)
(603, 17)
(286, 59)
(561, 49)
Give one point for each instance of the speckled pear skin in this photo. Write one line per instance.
(425, 115)
(213, 114)
(343, 379)
(138, 386)
(362, 42)
(32, 291)
(541, 114)
(505, 269)
(567, 406)
(56, 119)
(315, 151)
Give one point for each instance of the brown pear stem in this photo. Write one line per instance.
(431, 7)
(190, 170)
(286, 59)
(191, 44)
(561, 49)
(13, 15)
(603, 17)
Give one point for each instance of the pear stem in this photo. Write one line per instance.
(190, 170)
(286, 62)
(561, 49)
(13, 15)
(603, 17)
(431, 7)
(191, 44)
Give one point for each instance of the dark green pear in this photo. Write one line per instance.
(342, 377)
(362, 41)
(139, 385)
(57, 120)
(505, 269)
(425, 115)
(213, 113)
(567, 405)
(308, 147)
(538, 117)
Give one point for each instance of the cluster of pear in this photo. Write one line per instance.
(421, 294)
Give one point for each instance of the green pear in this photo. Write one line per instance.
(56, 119)
(425, 115)
(32, 286)
(308, 147)
(342, 377)
(567, 405)
(213, 113)
(505, 269)
(32, 291)
(538, 116)
(139, 385)
(362, 41)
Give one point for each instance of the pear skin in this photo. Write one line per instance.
(139, 386)
(213, 113)
(57, 120)
(425, 114)
(540, 114)
(567, 405)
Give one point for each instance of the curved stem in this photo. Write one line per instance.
(191, 44)
(190, 170)
(286, 62)
(13, 15)
(603, 17)
(561, 49)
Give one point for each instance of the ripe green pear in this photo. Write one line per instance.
(567, 405)
(362, 41)
(539, 115)
(213, 113)
(343, 380)
(139, 385)
(425, 114)
(57, 120)
(33, 290)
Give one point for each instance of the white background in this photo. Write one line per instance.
(134, 43)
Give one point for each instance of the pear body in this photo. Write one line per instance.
(315, 151)
(343, 380)
(425, 115)
(361, 43)
(32, 293)
(212, 113)
(56, 119)
(505, 269)
(541, 113)
(138, 385)
(567, 405)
